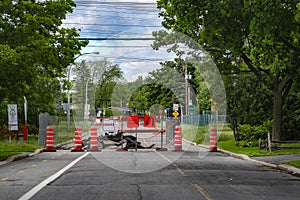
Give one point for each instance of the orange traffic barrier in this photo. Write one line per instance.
(49, 140)
(78, 139)
(178, 139)
(94, 139)
(213, 139)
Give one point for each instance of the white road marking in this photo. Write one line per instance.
(52, 178)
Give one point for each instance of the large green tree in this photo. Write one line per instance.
(35, 50)
(94, 85)
(258, 36)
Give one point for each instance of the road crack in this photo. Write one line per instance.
(139, 192)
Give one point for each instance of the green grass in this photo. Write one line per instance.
(297, 145)
(9, 148)
(254, 151)
(294, 163)
(226, 142)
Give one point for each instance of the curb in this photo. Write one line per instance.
(20, 156)
(282, 167)
(285, 168)
(28, 154)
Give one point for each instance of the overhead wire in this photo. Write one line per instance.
(132, 15)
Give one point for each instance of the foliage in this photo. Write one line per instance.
(105, 87)
(258, 36)
(251, 134)
(35, 50)
(94, 85)
(291, 115)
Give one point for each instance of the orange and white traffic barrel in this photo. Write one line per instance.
(178, 139)
(94, 139)
(49, 140)
(78, 139)
(213, 139)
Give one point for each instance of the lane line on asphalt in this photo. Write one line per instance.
(52, 178)
(194, 185)
(4, 179)
(172, 163)
(202, 191)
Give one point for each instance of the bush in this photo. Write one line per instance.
(249, 135)
(4, 132)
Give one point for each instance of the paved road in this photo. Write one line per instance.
(145, 175)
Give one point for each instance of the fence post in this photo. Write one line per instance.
(269, 142)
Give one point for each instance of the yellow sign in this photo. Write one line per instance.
(175, 113)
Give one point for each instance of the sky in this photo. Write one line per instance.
(115, 20)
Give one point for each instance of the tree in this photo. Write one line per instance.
(94, 85)
(34, 52)
(260, 37)
(104, 90)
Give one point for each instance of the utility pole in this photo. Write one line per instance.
(186, 91)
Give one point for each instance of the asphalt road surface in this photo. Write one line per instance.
(144, 174)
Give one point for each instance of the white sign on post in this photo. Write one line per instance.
(12, 117)
(176, 107)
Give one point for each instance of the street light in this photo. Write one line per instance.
(69, 72)
(86, 107)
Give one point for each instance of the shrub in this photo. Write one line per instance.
(251, 134)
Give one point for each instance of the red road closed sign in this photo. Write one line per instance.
(132, 122)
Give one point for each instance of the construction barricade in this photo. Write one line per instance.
(77, 139)
(213, 139)
(94, 139)
(178, 139)
(49, 147)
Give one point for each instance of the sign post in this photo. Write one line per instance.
(25, 125)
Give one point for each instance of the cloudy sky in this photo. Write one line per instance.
(118, 20)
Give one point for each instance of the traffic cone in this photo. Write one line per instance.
(77, 140)
(213, 139)
(178, 139)
(49, 140)
(94, 139)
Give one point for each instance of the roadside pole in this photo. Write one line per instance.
(25, 136)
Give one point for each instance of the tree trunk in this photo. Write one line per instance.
(277, 114)
(280, 92)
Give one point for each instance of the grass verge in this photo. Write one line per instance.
(294, 163)
(10, 148)
(226, 141)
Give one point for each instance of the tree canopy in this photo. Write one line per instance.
(257, 36)
(35, 50)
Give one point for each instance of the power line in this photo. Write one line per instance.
(113, 3)
(98, 24)
(107, 38)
